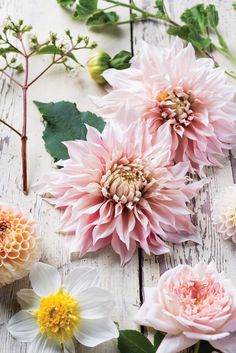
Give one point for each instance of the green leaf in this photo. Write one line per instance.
(4, 51)
(161, 7)
(52, 49)
(101, 18)
(65, 122)
(49, 49)
(66, 3)
(181, 31)
(234, 5)
(121, 60)
(131, 341)
(212, 16)
(85, 8)
(199, 41)
(196, 18)
(158, 339)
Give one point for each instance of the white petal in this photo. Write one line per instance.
(45, 279)
(94, 332)
(43, 345)
(95, 303)
(226, 345)
(23, 326)
(175, 344)
(69, 347)
(27, 299)
(80, 279)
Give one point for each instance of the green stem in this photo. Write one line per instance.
(197, 347)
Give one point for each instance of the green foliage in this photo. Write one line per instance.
(85, 8)
(198, 21)
(234, 5)
(158, 339)
(121, 60)
(161, 8)
(131, 341)
(65, 122)
(102, 18)
(66, 3)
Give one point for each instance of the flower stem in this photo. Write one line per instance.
(197, 347)
(62, 348)
(10, 127)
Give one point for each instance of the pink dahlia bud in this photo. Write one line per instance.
(19, 244)
(192, 304)
(224, 213)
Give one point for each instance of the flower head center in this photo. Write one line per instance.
(125, 182)
(58, 316)
(177, 107)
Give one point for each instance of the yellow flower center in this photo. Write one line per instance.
(58, 316)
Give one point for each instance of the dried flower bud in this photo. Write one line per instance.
(97, 64)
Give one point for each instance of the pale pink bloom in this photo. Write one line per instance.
(169, 86)
(224, 213)
(118, 189)
(192, 304)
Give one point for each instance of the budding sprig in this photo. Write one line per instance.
(18, 45)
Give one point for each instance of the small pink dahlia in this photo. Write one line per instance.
(117, 188)
(169, 86)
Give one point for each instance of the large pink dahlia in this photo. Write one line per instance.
(169, 86)
(118, 189)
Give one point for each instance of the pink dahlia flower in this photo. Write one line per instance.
(118, 189)
(192, 304)
(169, 86)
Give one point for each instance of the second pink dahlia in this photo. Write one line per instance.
(170, 86)
(117, 188)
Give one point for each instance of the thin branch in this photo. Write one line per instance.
(10, 127)
(11, 78)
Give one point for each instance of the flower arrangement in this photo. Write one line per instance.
(123, 180)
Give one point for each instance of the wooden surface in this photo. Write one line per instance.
(126, 283)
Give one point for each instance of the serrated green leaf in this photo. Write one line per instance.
(66, 3)
(65, 122)
(131, 341)
(199, 41)
(101, 18)
(212, 16)
(121, 60)
(181, 31)
(158, 339)
(84, 9)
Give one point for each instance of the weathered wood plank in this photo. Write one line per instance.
(214, 247)
(55, 86)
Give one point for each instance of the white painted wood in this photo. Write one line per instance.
(57, 85)
(46, 16)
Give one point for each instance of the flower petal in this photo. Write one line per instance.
(175, 344)
(43, 345)
(226, 345)
(45, 279)
(94, 332)
(23, 327)
(95, 303)
(69, 347)
(27, 299)
(80, 279)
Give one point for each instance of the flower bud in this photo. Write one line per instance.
(98, 63)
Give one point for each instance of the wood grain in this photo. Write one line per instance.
(127, 283)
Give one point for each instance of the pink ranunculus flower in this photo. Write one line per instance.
(169, 86)
(117, 188)
(192, 304)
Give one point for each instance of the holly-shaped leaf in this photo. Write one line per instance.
(85, 8)
(131, 341)
(65, 122)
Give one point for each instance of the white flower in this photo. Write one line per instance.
(54, 313)
(224, 213)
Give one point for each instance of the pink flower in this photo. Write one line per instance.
(169, 86)
(118, 189)
(192, 304)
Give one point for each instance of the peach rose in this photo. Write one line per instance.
(192, 304)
